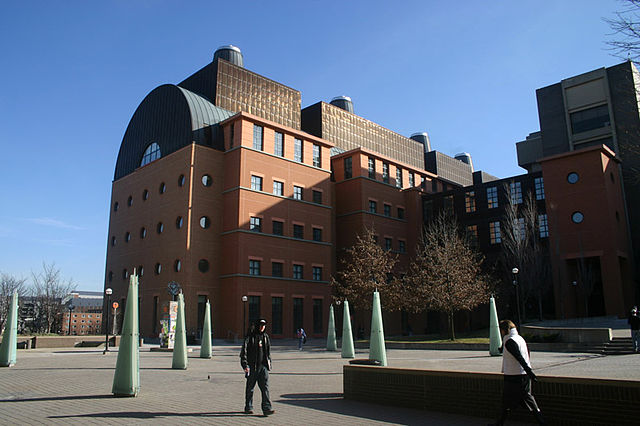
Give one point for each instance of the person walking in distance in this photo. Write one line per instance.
(302, 337)
(255, 359)
(634, 323)
(518, 375)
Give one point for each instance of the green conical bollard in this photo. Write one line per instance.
(494, 331)
(10, 336)
(126, 380)
(348, 350)
(205, 345)
(377, 349)
(331, 332)
(180, 345)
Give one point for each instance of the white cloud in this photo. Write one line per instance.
(47, 221)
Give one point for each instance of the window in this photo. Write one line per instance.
(181, 180)
(276, 269)
(494, 232)
(543, 225)
(348, 171)
(257, 137)
(519, 229)
(385, 172)
(577, 217)
(317, 316)
(127, 237)
(373, 206)
(590, 119)
(278, 144)
(255, 224)
(207, 180)
(159, 227)
(400, 213)
(317, 273)
(130, 201)
(411, 180)
(492, 197)
(448, 204)
(231, 134)
(203, 265)
(205, 222)
(298, 231)
(179, 222)
(539, 185)
(387, 243)
(573, 177)
(402, 246)
(317, 234)
(297, 192)
(254, 309)
(472, 235)
(372, 168)
(298, 313)
(317, 197)
(145, 195)
(115, 206)
(398, 177)
(297, 150)
(158, 268)
(387, 210)
(297, 272)
(163, 187)
(470, 201)
(516, 192)
(256, 183)
(276, 315)
(277, 227)
(177, 266)
(317, 160)
(152, 153)
(254, 267)
(278, 188)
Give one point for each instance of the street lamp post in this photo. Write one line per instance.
(71, 307)
(515, 271)
(107, 306)
(244, 314)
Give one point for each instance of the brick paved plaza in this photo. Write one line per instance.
(74, 386)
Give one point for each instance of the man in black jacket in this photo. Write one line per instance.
(255, 358)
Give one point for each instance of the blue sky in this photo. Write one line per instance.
(74, 72)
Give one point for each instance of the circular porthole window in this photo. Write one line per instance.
(127, 237)
(206, 180)
(573, 177)
(113, 241)
(577, 217)
(125, 274)
(177, 266)
(203, 265)
(181, 180)
(163, 188)
(143, 233)
(179, 222)
(158, 268)
(160, 228)
(115, 206)
(130, 201)
(145, 195)
(140, 270)
(205, 222)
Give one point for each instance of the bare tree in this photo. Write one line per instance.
(626, 31)
(364, 268)
(446, 274)
(48, 291)
(9, 284)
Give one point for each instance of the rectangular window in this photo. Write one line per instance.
(348, 171)
(298, 231)
(257, 137)
(373, 206)
(387, 210)
(232, 135)
(494, 232)
(402, 246)
(278, 188)
(470, 201)
(539, 184)
(519, 229)
(412, 180)
(590, 119)
(256, 224)
(278, 144)
(387, 243)
(254, 267)
(254, 308)
(398, 177)
(543, 225)
(385, 172)
(427, 210)
(448, 204)
(492, 197)
(472, 235)
(297, 192)
(317, 234)
(297, 272)
(317, 160)
(256, 183)
(400, 213)
(298, 313)
(297, 150)
(277, 227)
(276, 315)
(317, 273)
(317, 197)
(515, 188)
(372, 168)
(276, 269)
(317, 316)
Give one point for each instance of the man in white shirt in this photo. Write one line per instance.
(517, 374)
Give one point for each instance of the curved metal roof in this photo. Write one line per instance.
(203, 112)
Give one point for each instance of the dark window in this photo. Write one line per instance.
(492, 197)
(203, 265)
(254, 267)
(543, 224)
(385, 172)
(257, 137)
(298, 154)
(277, 227)
(317, 234)
(348, 171)
(255, 224)
(387, 210)
(231, 134)
(317, 273)
(127, 237)
(130, 201)
(398, 177)
(317, 197)
(317, 160)
(412, 180)
(256, 183)
(400, 213)
(162, 188)
(590, 119)
(278, 148)
(158, 268)
(298, 231)
(276, 315)
(387, 243)
(573, 177)
(115, 206)
(207, 180)
(472, 235)
(276, 269)
(372, 168)
(254, 309)
(181, 180)
(145, 195)
(470, 201)
(160, 228)
(177, 266)
(515, 189)
(297, 272)
(205, 222)
(298, 316)
(539, 184)
(152, 153)
(278, 188)
(373, 206)
(402, 246)
(297, 192)
(179, 222)
(494, 232)
(317, 316)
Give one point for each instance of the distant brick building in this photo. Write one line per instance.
(86, 316)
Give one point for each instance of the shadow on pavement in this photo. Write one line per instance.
(59, 398)
(152, 415)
